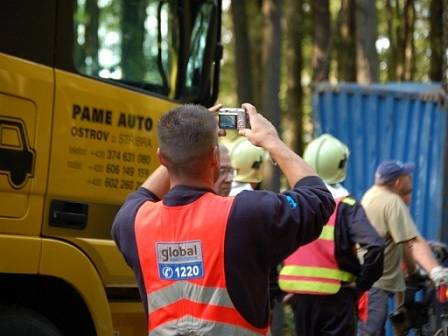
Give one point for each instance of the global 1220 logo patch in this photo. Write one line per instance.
(180, 261)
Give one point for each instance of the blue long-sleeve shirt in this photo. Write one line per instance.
(263, 228)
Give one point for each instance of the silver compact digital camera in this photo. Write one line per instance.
(233, 118)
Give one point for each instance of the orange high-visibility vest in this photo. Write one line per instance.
(181, 253)
(313, 269)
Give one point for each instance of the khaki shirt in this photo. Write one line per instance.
(391, 218)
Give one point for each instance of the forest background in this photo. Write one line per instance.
(276, 51)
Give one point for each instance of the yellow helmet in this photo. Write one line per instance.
(248, 161)
(328, 156)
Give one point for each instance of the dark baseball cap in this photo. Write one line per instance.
(389, 170)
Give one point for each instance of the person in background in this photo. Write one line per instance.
(224, 182)
(248, 161)
(385, 205)
(326, 275)
(202, 261)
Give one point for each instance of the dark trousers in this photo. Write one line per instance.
(376, 314)
(278, 317)
(326, 315)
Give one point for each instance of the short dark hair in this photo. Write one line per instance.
(187, 134)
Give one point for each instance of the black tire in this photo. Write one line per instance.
(19, 321)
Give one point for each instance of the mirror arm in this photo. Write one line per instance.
(159, 46)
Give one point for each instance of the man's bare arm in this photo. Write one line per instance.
(158, 182)
(422, 254)
(408, 258)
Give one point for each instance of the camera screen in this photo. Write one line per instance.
(227, 121)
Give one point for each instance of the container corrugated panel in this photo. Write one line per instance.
(392, 121)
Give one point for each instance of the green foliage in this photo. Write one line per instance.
(390, 23)
(420, 36)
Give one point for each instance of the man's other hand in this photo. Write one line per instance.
(215, 109)
(439, 275)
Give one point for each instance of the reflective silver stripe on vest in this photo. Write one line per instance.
(191, 326)
(187, 290)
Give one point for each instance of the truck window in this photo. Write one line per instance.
(155, 45)
(9, 137)
(27, 30)
(198, 48)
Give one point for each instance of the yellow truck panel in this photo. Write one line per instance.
(26, 98)
(103, 144)
(77, 270)
(23, 254)
(104, 254)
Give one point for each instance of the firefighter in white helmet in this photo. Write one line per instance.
(328, 156)
(249, 162)
(326, 275)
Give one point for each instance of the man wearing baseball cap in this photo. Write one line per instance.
(390, 216)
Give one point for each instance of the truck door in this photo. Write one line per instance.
(104, 138)
(26, 103)
(113, 81)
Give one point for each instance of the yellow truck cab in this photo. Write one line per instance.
(82, 86)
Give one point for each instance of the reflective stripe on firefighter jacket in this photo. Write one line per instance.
(313, 269)
(181, 253)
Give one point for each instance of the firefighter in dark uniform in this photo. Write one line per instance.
(325, 275)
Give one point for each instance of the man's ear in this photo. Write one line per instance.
(162, 159)
(397, 183)
(215, 159)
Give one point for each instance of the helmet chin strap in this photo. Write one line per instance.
(337, 190)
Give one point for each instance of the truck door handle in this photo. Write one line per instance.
(71, 215)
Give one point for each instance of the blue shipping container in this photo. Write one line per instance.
(393, 121)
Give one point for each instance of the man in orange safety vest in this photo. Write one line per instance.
(202, 261)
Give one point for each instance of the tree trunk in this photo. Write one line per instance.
(409, 45)
(256, 36)
(132, 26)
(294, 93)
(271, 56)
(242, 52)
(321, 49)
(366, 36)
(436, 40)
(403, 54)
(92, 43)
(392, 52)
(400, 42)
(345, 43)
(413, 58)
